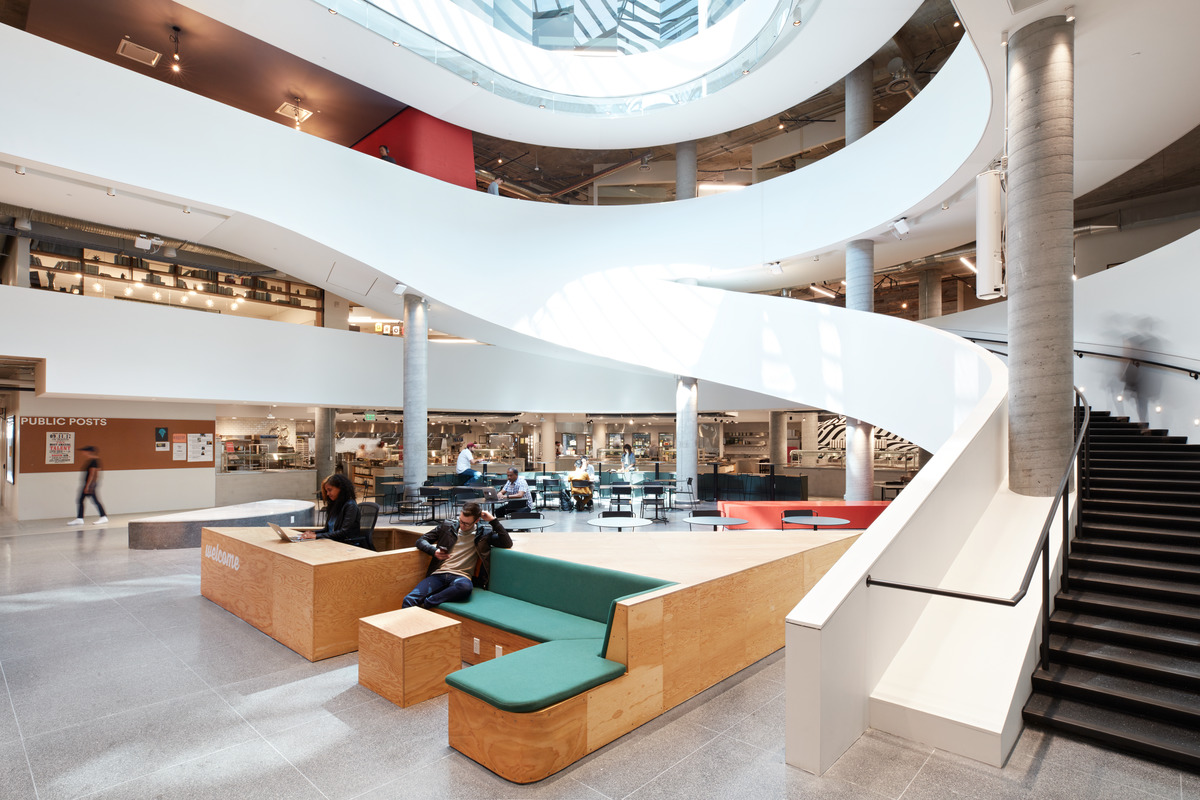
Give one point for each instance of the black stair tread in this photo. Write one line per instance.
(1107, 563)
(1178, 701)
(1114, 529)
(1135, 582)
(1122, 654)
(1129, 604)
(1101, 627)
(1150, 550)
(1180, 743)
(1135, 507)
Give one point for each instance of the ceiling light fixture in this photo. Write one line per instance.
(297, 105)
(208, 303)
(1004, 38)
(1070, 13)
(821, 290)
(184, 299)
(775, 268)
(969, 265)
(796, 17)
(97, 287)
(157, 296)
(956, 24)
(112, 192)
(395, 44)
(128, 291)
(233, 306)
(20, 170)
(901, 228)
(399, 288)
(175, 31)
(334, 12)
(187, 209)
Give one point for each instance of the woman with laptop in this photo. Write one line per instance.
(341, 513)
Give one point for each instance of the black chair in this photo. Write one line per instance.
(654, 497)
(796, 512)
(551, 490)
(581, 493)
(368, 516)
(512, 521)
(687, 492)
(410, 505)
(622, 495)
(707, 513)
(461, 495)
(433, 497)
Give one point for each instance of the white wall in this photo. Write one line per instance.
(1153, 295)
(47, 495)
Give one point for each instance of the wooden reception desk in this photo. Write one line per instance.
(308, 595)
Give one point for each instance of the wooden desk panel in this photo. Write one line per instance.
(307, 595)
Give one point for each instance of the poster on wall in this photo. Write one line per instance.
(199, 447)
(179, 451)
(160, 434)
(60, 447)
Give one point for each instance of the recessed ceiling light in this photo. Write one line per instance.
(395, 44)
(333, 11)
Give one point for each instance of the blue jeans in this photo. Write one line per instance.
(474, 477)
(438, 588)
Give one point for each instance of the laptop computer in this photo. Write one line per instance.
(286, 534)
(490, 493)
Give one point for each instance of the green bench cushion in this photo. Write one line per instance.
(538, 677)
(525, 619)
(577, 589)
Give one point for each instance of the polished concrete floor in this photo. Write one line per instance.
(121, 681)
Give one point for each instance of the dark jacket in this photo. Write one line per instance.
(487, 535)
(342, 525)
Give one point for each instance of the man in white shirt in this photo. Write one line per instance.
(465, 459)
(516, 492)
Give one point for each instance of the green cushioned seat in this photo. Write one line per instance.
(538, 677)
(525, 619)
(578, 589)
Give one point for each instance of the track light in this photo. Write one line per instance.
(900, 226)
(175, 31)
(399, 289)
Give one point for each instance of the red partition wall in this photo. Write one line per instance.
(765, 514)
(427, 145)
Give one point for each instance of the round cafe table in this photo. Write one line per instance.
(816, 521)
(518, 525)
(714, 521)
(619, 522)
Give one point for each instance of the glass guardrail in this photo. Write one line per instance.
(489, 79)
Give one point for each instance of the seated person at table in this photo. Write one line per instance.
(582, 495)
(460, 553)
(341, 513)
(516, 492)
(471, 477)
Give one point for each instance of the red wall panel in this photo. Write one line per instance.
(427, 145)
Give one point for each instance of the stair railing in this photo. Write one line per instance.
(1192, 372)
(1079, 467)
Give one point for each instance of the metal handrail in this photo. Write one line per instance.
(1192, 372)
(1043, 547)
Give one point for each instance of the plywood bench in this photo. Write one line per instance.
(182, 529)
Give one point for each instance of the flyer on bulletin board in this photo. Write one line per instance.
(179, 451)
(60, 447)
(199, 447)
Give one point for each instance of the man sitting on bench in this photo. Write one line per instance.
(460, 551)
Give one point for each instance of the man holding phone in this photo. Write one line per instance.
(459, 557)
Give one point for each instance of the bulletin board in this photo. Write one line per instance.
(53, 444)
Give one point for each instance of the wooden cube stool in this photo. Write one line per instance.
(405, 655)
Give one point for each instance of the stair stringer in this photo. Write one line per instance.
(962, 677)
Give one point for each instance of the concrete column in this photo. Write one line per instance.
(323, 430)
(687, 432)
(929, 289)
(549, 437)
(720, 440)
(777, 434)
(416, 390)
(860, 296)
(685, 170)
(809, 430)
(860, 106)
(1040, 247)
(599, 439)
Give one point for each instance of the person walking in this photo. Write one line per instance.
(91, 481)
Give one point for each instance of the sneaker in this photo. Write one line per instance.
(101, 521)
(78, 521)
